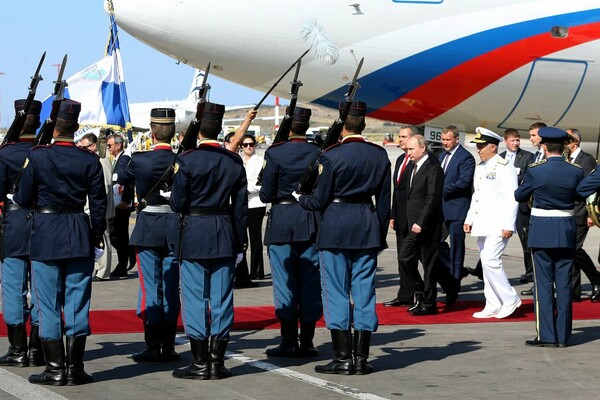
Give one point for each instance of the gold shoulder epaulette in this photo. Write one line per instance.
(535, 164)
(503, 161)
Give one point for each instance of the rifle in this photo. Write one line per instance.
(283, 131)
(309, 179)
(191, 135)
(12, 136)
(46, 131)
(279, 80)
(286, 123)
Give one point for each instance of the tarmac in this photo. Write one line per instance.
(428, 361)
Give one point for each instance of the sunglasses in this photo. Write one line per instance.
(247, 144)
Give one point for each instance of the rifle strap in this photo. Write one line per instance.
(156, 188)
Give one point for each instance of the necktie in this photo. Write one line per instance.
(402, 168)
(446, 160)
(538, 156)
(414, 172)
(511, 158)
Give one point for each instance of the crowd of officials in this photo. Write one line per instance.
(64, 207)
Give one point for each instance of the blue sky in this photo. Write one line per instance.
(79, 28)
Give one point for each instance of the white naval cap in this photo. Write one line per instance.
(484, 135)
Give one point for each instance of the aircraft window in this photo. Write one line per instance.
(559, 32)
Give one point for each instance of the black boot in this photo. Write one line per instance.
(307, 334)
(54, 374)
(342, 355)
(289, 341)
(36, 354)
(75, 350)
(152, 334)
(218, 347)
(199, 368)
(17, 348)
(362, 341)
(167, 343)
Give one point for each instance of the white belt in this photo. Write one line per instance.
(539, 212)
(160, 209)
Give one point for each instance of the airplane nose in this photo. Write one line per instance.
(147, 19)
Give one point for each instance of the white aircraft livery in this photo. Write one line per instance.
(494, 63)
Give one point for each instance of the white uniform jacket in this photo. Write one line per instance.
(493, 206)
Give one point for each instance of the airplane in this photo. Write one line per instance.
(469, 63)
(185, 109)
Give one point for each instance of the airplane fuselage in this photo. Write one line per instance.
(498, 63)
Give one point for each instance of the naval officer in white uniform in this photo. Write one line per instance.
(491, 218)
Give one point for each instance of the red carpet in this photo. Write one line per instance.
(263, 317)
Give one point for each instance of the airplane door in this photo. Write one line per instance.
(536, 104)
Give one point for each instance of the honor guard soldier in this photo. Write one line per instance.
(290, 236)
(57, 179)
(552, 229)
(210, 192)
(16, 265)
(154, 238)
(351, 232)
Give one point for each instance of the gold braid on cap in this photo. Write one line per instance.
(162, 120)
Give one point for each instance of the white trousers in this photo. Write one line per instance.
(102, 267)
(497, 290)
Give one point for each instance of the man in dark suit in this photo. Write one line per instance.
(520, 159)
(583, 262)
(458, 166)
(119, 225)
(405, 296)
(421, 226)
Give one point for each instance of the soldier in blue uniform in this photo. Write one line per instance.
(16, 265)
(290, 236)
(154, 238)
(351, 232)
(210, 192)
(553, 183)
(57, 179)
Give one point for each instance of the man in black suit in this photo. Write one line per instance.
(420, 225)
(119, 225)
(520, 159)
(405, 296)
(583, 262)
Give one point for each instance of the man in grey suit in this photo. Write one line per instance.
(520, 159)
(583, 262)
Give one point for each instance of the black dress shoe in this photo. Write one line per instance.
(528, 292)
(538, 343)
(576, 299)
(476, 272)
(595, 298)
(397, 303)
(415, 306)
(464, 272)
(116, 274)
(427, 310)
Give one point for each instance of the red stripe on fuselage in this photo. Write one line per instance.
(446, 91)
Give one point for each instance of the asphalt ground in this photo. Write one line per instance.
(429, 361)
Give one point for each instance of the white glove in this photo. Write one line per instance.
(131, 147)
(238, 258)
(166, 195)
(98, 253)
(296, 195)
